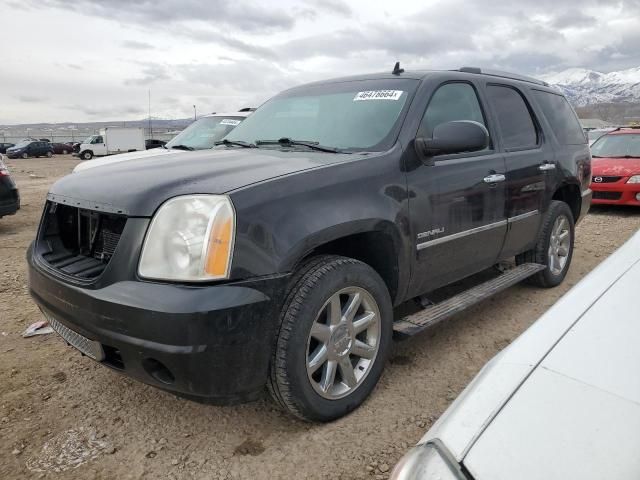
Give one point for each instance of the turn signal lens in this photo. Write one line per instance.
(219, 251)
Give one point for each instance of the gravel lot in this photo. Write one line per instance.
(63, 416)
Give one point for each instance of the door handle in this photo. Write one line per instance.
(545, 167)
(494, 178)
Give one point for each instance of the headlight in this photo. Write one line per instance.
(634, 179)
(190, 239)
(430, 461)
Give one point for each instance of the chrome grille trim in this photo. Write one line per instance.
(90, 348)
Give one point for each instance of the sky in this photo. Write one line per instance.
(96, 60)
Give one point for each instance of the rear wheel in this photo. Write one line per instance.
(25, 155)
(554, 247)
(49, 154)
(333, 340)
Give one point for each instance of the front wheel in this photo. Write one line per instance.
(554, 247)
(87, 155)
(25, 155)
(49, 154)
(335, 333)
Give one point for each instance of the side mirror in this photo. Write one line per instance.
(453, 137)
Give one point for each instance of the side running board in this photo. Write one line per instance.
(412, 324)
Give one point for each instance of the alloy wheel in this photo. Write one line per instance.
(559, 245)
(343, 343)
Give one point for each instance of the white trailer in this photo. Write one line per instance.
(112, 140)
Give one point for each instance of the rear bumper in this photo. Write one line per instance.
(618, 193)
(215, 341)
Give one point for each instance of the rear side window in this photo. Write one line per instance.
(561, 117)
(451, 102)
(516, 125)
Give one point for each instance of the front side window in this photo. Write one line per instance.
(561, 117)
(516, 125)
(625, 145)
(451, 102)
(98, 139)
(351, 116)
(204, 133)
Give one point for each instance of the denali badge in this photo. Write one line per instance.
(431, 233)
(597, 179)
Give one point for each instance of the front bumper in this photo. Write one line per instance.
(616, 193)
(14, 154)
(214, 341)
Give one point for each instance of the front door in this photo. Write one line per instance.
(457, 204)
(527, 156)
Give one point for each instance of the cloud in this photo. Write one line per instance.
(334, 6)
(242, 15)
(151, 73)
(31, 99)
(135, 45)
(102, 111)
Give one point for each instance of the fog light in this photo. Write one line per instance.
(158, 371)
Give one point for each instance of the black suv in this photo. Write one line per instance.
(30, 148)
(278, 257)
(9, 196)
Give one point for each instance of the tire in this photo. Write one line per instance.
(49, 154)
(25, 155)
(87, 155)
(64, 152)
(294, 383)
(558, 219)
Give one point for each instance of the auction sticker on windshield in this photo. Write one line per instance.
(229, 121)
(378, 95)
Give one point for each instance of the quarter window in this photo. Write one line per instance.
(561, 117)
(514, 118)
(451, 102)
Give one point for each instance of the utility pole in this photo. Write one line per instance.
(150, 129)
(194, 113)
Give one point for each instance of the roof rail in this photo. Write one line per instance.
(498, 73)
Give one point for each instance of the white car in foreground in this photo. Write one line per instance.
(561, 402)
(201, 134)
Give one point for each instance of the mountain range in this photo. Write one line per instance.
(586, 87)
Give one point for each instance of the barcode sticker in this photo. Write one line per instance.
(378, 95)
(229, 121)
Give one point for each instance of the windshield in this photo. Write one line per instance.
(89, 139)
(204, 132)
(23, 143)
(358, 116)
(617, 145)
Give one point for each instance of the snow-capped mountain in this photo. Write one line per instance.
(586, 87)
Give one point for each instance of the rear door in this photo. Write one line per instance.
(528, 157)
(456, 204)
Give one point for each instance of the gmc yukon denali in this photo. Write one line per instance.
(331, 219)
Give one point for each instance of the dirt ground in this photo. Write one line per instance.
(63, 416)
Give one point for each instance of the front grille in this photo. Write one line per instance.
(599, 179)
(79, 242)
(607, 195)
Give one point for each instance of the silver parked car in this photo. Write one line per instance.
(561, 402)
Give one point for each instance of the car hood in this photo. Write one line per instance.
(620, 167)
(578, 414)
(544, 350)
(121, 157)
(138, 187)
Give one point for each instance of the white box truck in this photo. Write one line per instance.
(112, 140)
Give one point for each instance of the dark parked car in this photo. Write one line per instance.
(277, 258)
(4, 146)
(9, 196)
(61, 148)
(30, 148)
(153, 143)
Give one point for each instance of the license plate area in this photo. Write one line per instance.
(89, 347)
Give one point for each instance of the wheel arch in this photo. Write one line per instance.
(569, 193)
(376, 243)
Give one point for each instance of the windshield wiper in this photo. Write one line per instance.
(239, 143)
(182, 147)
(287, 142)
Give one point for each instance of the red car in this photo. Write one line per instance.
(616, 168)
